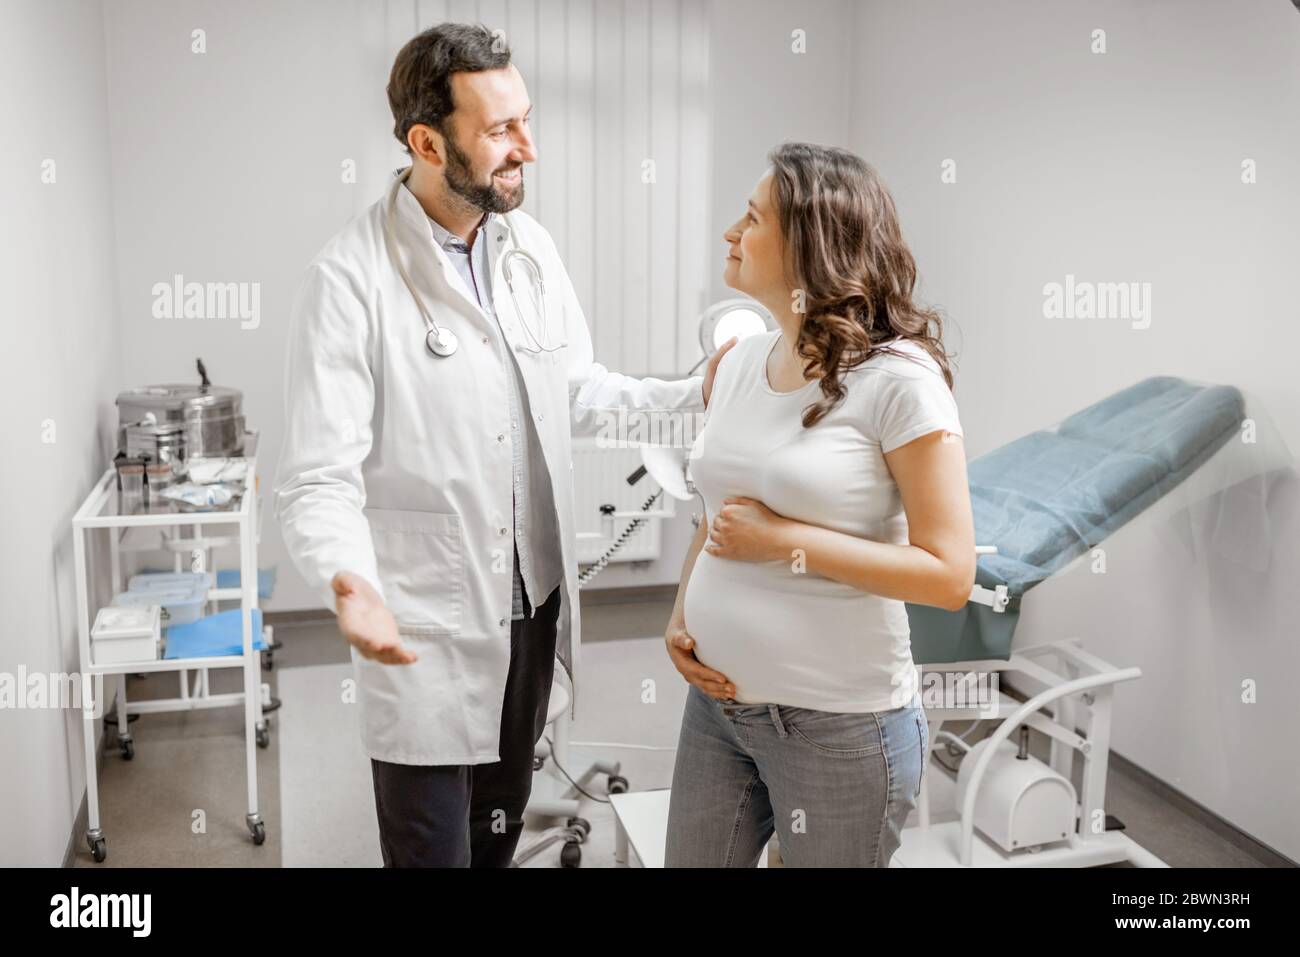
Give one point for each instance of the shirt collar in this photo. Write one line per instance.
(449, 240)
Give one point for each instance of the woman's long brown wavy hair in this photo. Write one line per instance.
(845, 253)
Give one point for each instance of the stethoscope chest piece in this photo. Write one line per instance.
(441, 342)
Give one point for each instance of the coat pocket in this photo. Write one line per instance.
(421, 568)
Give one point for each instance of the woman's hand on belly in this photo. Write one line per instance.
(680, 649)
(747, 530)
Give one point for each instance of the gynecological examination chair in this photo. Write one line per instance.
(1042, 505)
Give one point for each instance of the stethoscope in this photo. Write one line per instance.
(442, 342)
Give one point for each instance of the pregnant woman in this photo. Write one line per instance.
(834, 482)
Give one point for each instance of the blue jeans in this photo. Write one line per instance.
(836, 787)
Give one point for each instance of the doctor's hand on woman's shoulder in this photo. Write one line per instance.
(712, 367)
(366, 622)
(680, 645)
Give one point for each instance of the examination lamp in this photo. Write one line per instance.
(731, 317)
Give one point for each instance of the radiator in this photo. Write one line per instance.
(600, 478)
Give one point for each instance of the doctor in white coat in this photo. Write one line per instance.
(425, 484)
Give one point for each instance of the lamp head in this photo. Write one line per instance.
(738, 317)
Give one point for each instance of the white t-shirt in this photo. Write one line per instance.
(792, 637)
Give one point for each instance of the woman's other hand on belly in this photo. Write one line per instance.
(681, 650)
(747, 530)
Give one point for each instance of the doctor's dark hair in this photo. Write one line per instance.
(844, 250)
(419, 87)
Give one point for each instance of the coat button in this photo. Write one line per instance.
(501, 531)
(501, 437)
(485, 340)
(501, 622)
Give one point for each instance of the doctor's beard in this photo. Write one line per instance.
(487, 197)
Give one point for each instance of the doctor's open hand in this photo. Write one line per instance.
(680, 645)
(747, 530)
(366, 622)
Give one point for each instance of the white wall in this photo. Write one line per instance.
(763, 94)
(61, 370)
(1116, 167)
(228, 167)
(1122, 167)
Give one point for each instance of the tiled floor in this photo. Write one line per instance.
(181, 801)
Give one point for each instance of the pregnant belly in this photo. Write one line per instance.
(719, 609)
(792, 639)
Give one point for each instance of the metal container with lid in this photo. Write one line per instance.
(176, 421)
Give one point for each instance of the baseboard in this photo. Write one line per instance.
(307, 616)
(594, 596)
(1267, 856)
(628, 593)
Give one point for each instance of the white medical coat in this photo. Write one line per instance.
(396, 464)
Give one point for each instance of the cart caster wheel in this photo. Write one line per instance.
(98, 849)
(617, 784)
(571, 856)
(128, 750)
(259, 833)
(263, 741)
(581, 825)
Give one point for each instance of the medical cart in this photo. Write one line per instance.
(162, 525)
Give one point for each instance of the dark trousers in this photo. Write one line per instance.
(471, 815)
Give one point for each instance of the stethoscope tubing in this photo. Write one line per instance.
(442, 342)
